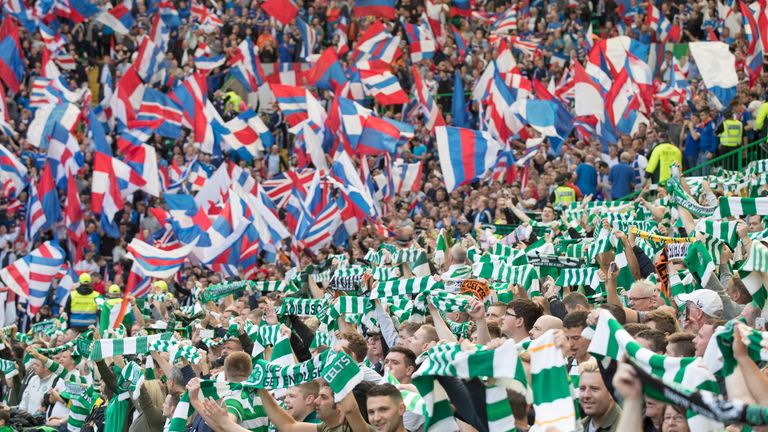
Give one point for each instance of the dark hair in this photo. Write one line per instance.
(408, 355)
(657, 339)
(527, 310)
(617, 312)
(386, 389)
(575, 299)
(684, 343)
(357, 344)
(576, 319)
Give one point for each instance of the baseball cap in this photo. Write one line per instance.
(114, 289)
(706, 300)
(85, 278)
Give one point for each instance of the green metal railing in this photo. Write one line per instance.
(735, 160)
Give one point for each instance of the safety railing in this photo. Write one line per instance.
(735, 160)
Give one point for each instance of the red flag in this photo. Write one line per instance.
(73, 219)
(282, 10)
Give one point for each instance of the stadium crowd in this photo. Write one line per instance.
(577, 282)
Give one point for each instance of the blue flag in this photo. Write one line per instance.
(458, 106)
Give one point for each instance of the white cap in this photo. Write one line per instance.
(706, 300)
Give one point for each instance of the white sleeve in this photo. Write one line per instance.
(387, 326)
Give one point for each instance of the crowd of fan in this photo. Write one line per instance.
(34, 397)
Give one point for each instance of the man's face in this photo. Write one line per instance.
(510, 322)
(295, 403)
(395, 362)
(594, 397)
(755, 223)
(547, 215)
(417, 341)
(324, 405)
(641, 301)
(702, 338)
(578, 345)
(374, 347)
(384, 414)
(496, 314)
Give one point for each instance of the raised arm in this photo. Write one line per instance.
(281, 419)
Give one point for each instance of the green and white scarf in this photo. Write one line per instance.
(302, 307)
(221, 290)
(735, 206)
(412, 400)
(724, 231)
(415, 258)
(8, 368)
(177, 350)
(105, 348)
(752, 270)
(719, 353)
(441, 247)
(610, 341)
(236, 396)
(81, 408)
(502, 364)
(404, 287)
(552, 390)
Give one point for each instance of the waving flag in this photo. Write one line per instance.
(406, 176)
(73, 220)
(717, 66)
(461, 44)
(421, 40)
(148, 60)
(159, 110)
(49, 197)
(5, 118)
(383, 86)
(505, 23)
(308, 38)
(160, 33)
(208, 20)
(155, 262)
(588, 94)
(11, 55)
(461, 8)
(377, 44)
(343, 170)
(550, 118)
(207, 63)
(192, 96)
(755, 48)
(383, 135)
(119, 19)
(465, 155)
(79, 10)
(458, 106)
(660, 24)
(282, 10)
(292, 101)
(379, 8)
(31, 276)
(247, 136)
(64, 154)
(13, 175)
(429, 108)
(127, 98)
(327, 73)
(35, 215)
(247, 66)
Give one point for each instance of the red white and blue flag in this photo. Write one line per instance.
(118, 18)
(156, 262)
(465, 155)
(379, 8)
(383, 86)
(11, 55)
(31, 276)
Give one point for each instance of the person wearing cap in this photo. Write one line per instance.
(81, 305)
(701, 306)
(563, 194)
(114, 294)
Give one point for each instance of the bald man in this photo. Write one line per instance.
(544, 323)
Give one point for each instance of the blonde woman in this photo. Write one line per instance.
(149, 403)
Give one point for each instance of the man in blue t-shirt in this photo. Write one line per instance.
(622, 177)
(586, 175)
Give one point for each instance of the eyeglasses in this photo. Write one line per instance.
(511, 315)
(634, 299)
